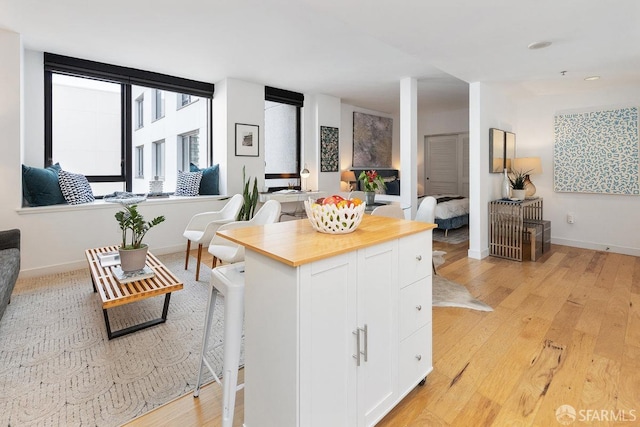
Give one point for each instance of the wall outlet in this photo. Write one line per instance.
(571, 219)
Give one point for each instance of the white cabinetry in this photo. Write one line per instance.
(341, 339)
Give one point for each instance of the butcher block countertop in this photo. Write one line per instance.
(296, 242)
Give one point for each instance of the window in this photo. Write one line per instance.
(282, 136)
(139, 161)
(184, 100)
(158, 104)
(94, 117)
(139, 112)
(157, 159)
(189, 151)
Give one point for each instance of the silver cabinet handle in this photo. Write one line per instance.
(357, 355)
(419, 257)
(419, 357)
(366, 339)
(418, 307)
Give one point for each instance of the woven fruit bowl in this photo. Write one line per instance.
(332, 219)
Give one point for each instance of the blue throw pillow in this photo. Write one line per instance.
(209, 183)
(40, 186)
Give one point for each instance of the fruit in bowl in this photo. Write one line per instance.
(335, 214)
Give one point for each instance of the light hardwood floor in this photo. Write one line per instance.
(565, 330)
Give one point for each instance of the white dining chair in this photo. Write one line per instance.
(225, 250)
(357, 195)
(203, 226)
(391, 211)
(427, 210)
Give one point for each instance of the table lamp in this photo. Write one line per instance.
(531, 165)
(348, 177)
(304, 174)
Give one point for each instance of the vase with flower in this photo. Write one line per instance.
(371, 182)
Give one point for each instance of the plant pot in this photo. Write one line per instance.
(370, 198)
(133, 259)
(518, 194)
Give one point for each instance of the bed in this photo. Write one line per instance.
(452, 211)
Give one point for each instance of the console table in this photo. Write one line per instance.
(507, 225)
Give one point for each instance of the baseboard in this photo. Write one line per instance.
(471, 253)
(603, 247)
(80, 264)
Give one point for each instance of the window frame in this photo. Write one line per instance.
(139, 161)
(139, 119)
(297, 100)
(126, 77)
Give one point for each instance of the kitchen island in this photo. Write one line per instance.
(337, 327)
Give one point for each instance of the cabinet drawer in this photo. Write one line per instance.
(415, 306)
(415, 359)
(415, 257)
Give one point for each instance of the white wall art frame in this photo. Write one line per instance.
(597, 152)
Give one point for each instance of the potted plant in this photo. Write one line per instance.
(371, 182)
(250, 198)
(518, 182)
(133, 253)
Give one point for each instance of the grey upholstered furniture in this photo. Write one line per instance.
(9, 265)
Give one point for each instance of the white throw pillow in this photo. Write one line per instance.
(188, 183)
(75, 188)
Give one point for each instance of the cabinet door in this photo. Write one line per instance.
(377, 295)
(327, 320)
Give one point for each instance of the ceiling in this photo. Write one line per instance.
(355, 50)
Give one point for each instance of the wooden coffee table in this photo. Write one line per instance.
(113, 293)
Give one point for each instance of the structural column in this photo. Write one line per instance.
(409, 146)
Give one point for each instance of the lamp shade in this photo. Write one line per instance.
(304, 173)
(531, 165)
(348, 176)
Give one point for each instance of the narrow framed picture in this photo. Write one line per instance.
(329, 151)
(247, 140)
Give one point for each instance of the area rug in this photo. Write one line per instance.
(454, 236)
(57, 367)
(450, 294)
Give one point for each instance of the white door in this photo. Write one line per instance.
(447, 164)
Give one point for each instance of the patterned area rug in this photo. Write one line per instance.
(454, 236)
(450, 294)
(57, 367)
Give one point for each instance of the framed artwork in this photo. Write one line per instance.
(329, 151)
(597, 152)
(496, 150)
(372, 141)
(509, 149)
(247, 140)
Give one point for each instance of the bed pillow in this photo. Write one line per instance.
(393, 187)
(188, 183)
(40, 186)
(209, 182)
(75, 188)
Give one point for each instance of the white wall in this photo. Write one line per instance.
(321, 110)
(601, 220)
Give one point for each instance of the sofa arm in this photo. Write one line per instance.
(10, 239)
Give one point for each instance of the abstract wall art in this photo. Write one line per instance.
(372, 141)
(329, 149)
(597, 152)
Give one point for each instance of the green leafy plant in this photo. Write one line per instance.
(518, 179)
(131, 220)
(250, 198)
(371, 181)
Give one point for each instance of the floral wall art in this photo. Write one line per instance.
(597, 152)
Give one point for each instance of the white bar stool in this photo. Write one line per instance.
(229, 281)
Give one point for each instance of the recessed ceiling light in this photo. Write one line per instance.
(539, 45)
(591, 78)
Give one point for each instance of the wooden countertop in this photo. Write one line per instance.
(296, 242)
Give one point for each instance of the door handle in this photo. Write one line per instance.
(359, 352)
(357, 355)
